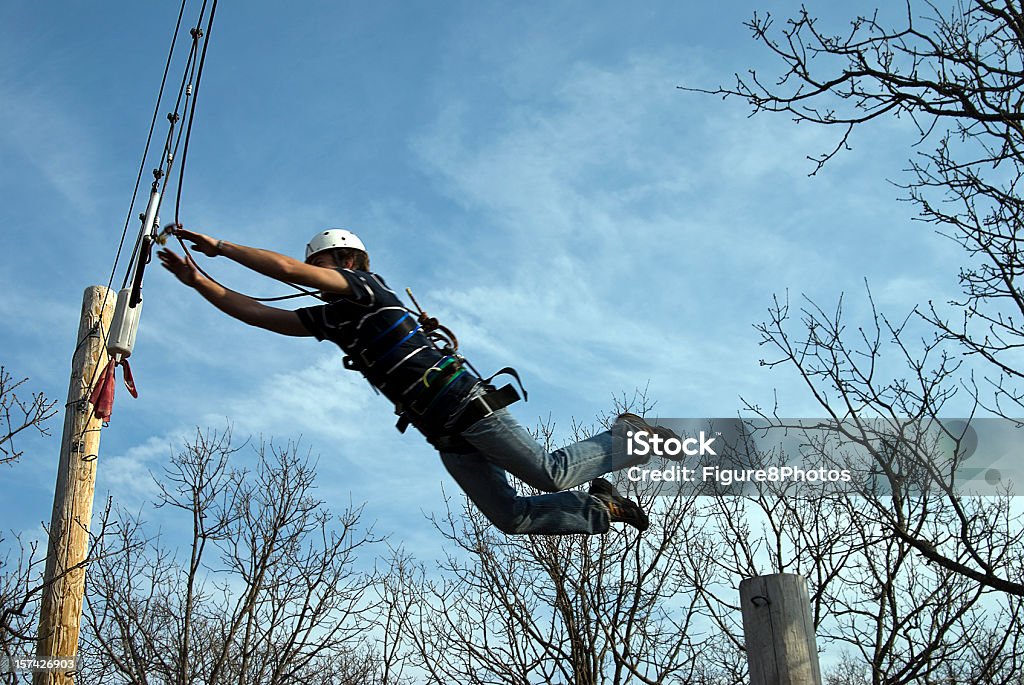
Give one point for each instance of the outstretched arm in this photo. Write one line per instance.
(234, 304)
(277, 266)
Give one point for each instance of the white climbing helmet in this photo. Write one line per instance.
(332, 239)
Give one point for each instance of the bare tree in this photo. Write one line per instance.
(561, 609)
(922, 581)
(663, 607)
(21, 567)
(567, 609)
(957, 71)
(22, 585)
(269, 592)
(897, 617)
(21, 563)
(18, 414)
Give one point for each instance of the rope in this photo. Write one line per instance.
(198, 75)
(149, 139)
(135, 190)
(180, 137)
(169, 155)
(434, 329)
(302, 291)
(162, 171)
(166, 157)
(195, 99)
(142, 253)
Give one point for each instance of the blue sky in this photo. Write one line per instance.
(529, 169)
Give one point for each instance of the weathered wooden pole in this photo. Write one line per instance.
(61, 611)
(779, 632)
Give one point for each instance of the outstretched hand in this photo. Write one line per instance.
(200, 243)
(183, 269)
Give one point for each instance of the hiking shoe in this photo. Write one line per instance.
(639, 424)
(620, 509)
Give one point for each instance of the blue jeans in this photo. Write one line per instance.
(502, 446)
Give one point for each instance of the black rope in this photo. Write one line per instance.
(172, 154)
(302, 291)
(184, 143)
(145, 153)
(163, 171)
(135, 191)
(198, 75)
(184, 91)
(180, 136)
(192, 111)
(166, 159)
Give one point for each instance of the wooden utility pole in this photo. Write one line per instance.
(779, 632)
(61, 611)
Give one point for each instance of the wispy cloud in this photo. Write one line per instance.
(42, 134)
(612, 243)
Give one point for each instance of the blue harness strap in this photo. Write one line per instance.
(367, 355)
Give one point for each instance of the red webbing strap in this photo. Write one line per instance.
(102, 397)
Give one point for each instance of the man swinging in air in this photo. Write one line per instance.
(463, 417)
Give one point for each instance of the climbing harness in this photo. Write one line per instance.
(370, 355)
